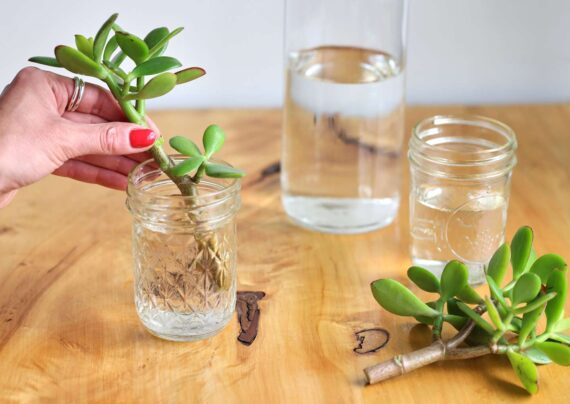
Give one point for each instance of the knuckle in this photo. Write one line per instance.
(109, 140)
(26, 74)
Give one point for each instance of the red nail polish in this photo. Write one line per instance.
(142, 137)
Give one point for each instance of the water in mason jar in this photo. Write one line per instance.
(176, 292)
(343, 129)
(456, 223)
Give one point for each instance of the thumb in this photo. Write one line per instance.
(112, 138)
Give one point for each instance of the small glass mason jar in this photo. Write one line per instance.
(185, 252)
(461, 170)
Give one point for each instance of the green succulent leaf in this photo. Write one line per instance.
(536, 303)
(187, 166)
(157, 86)
(101, 37)
(521, 247)
(77, 62)
(557, 283)
(469, 295)
(477, 319)
(529, 322)
(154, 37)
(157, 47)
(457, 322)
(499, 264)
(526, 288)
(84, 45)
(496, 292)
(397, 299)
(110, 48)
(134, 47)
(525, 370)
(537, 356)
(45, 60)
(189, 74)
(424, 279)
(155, 65)
(213, 140)
(557, 336)
(544, 266)
(453, 279)
(185, 146)
(494, 314)
(558, 353)
(563, 325)
(223, 171)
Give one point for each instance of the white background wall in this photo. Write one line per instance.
(460, 51)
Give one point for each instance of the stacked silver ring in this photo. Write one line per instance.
(78, 88)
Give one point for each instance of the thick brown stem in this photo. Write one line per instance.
(402, 364)
(436, 352)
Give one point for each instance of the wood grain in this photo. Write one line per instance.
(68, 328)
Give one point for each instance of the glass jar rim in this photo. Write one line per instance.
(225, 190)
(469, 120)
(428, 152)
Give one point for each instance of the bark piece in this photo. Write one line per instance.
(248, 315)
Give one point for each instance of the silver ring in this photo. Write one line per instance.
(78, 88)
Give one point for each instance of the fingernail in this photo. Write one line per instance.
(142, 137)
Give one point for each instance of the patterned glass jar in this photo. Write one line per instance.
(184, 250)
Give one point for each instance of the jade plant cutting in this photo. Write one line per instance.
(522, 318)
(103, 57)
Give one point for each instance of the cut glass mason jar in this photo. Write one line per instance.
(185, 252)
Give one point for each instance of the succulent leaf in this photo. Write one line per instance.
(101, 37)
(397, 299)
(525, 370)
(521, 247)
(453, 279)
(187, 166)
(223, 171)
(134, 47)
(189, 74)
(544, 266)
(157, 86)
(155, 65)
(185, 146)
(424, 279)
(499, 263)
(526, 288)
(558, 353)
(45, 60)
(77, 62)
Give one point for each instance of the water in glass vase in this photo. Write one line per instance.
(342, 140)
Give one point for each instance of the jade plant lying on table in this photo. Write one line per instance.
(103, 56)
(512, 325)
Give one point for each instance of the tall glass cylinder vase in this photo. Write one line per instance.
(343, 113)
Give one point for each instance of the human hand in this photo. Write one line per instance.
(38, 137)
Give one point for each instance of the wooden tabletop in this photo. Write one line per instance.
(68, 327)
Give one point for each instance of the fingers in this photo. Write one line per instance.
(110, 138)
(119, 164)
(83, 118)
(95, 101)
(84, 172)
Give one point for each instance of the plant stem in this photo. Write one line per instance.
(184, 183)
(140, 104)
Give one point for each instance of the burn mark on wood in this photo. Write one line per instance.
(371, 340)
(248, 315)
(273, 168)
